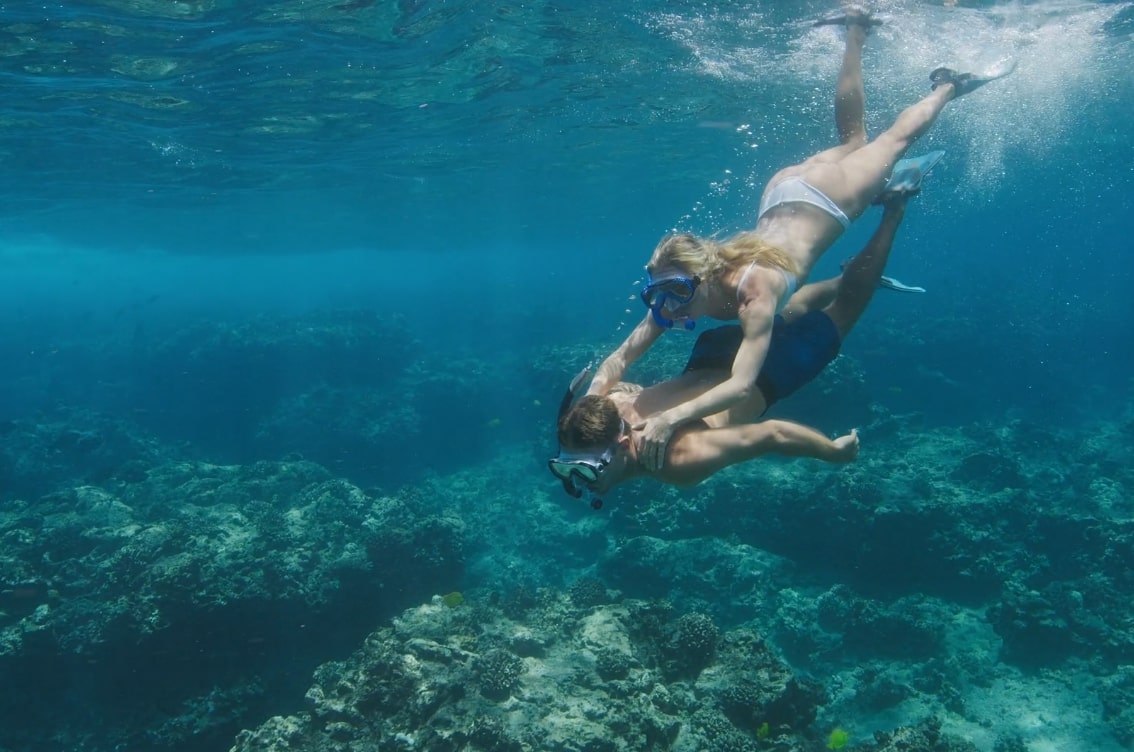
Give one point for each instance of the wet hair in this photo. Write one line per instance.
(708, 259)
(593, 421)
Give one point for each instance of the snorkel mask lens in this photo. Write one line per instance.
(666, 296)
(679, 289)
(578, 472)
(565, 468)
(583, 469)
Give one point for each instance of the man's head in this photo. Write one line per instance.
(593, 444)
(591, 422)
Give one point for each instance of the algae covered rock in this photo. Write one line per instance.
(204, 589)
(600, 684)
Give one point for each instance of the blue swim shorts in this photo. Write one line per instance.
(799, 351)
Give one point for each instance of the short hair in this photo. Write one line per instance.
(593, 421)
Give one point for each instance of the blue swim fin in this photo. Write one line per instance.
(906, 177)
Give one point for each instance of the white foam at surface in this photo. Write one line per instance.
(1065, 61)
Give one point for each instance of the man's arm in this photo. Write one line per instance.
(615, 365)
(696, 454)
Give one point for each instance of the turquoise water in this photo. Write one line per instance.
(391, 152)
(381, 236)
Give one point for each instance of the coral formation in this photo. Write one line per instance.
(690, 645)
(199, 564)
(408, 682)
(496, 673)
(587, 592)
(949, 574)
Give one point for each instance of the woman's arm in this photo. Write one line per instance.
(615, 365)
(756, 319)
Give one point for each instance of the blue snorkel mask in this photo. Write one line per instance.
(667, 295)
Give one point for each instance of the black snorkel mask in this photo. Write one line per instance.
(576, 471)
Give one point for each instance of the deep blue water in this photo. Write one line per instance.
(485, 181)
(498, 175)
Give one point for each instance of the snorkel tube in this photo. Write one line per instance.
(569, 395)
(564, 405)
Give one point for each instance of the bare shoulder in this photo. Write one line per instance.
(625, 388)
(759, 297)
(626, 402)
(689, 443)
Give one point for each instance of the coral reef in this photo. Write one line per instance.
(202, 588)
(955, 583)
(72, 447)
(587, 592)
(409, 686)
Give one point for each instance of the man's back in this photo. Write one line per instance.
(702, 447)
(636, 403)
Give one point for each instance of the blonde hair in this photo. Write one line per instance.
(708, 259)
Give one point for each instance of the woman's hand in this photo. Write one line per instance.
(654, 435)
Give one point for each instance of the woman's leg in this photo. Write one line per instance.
(850, 95)
(856, 179)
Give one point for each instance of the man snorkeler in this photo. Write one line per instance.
(598, 444)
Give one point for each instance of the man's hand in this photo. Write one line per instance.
(846, 447)
(654, 436)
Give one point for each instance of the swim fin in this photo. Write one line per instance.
(963, 83)
(892, 284)
(855, 15)
(888, 283)
(906, 177)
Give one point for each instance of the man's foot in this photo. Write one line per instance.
(853, 15)
(846, 447)
(963, 83)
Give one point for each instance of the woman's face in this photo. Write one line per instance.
(672, 295)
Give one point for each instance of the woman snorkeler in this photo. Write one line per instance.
(748, 277)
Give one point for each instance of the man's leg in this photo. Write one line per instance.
(696, 455)
(861, 276)
(811, 297)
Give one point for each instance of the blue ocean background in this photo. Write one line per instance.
(382, 236)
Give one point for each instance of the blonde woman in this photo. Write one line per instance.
(749, 276)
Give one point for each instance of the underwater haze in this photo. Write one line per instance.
(290, 294)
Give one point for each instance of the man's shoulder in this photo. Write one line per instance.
(626, 404)
(686, 445)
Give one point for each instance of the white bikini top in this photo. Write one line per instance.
(792, 284)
